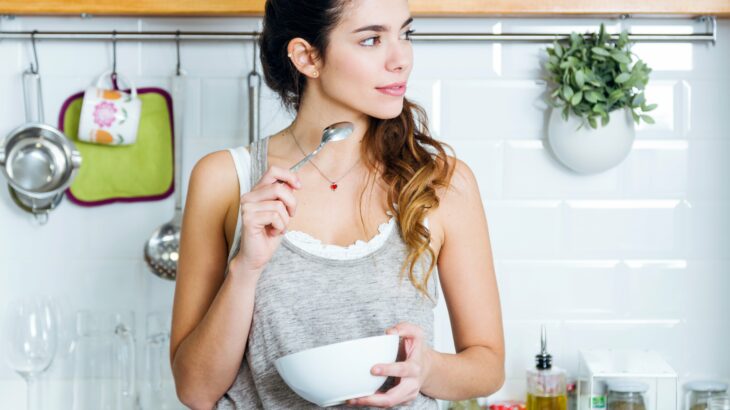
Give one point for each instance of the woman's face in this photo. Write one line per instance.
(370, 49)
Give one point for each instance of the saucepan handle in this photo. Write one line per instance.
(31, 91)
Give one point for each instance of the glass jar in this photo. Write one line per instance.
(718, 403)
(104, 360)
(699, 392)
(626, 395)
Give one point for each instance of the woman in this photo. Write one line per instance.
(253, 286)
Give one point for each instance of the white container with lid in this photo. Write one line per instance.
(612, 365)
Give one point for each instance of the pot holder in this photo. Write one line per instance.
(133, 173)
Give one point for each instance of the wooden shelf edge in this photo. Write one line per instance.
(426, 8)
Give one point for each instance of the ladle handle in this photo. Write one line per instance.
(178, 111)
(254, 112)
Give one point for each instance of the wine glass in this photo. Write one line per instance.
(29, 340)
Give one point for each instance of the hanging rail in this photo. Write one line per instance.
(710, 35)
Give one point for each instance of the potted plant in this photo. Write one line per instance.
(595, 78)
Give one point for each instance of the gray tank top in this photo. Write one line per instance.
(305, 300)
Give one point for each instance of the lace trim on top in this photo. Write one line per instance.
(358, 249)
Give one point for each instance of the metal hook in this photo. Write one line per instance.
(114, 53)
(114, 61)
(177, 40)
(255, 42)
(36, 68)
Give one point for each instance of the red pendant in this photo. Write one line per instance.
(333, 186)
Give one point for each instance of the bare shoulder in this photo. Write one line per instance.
(214, 173)
(458, 200)
(214, 180)
(461, 187)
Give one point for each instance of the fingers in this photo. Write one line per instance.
(270, 206)
(397, 369)
(275, 173)
(411, 339)
(255, 221)
(405, 329)
(404, 393)
(273, 192)
(277, 223)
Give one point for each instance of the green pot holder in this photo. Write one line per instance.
(142, 171)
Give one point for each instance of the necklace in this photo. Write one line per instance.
(333, 183)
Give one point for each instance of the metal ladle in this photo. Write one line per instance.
(335, 132)
(162, 250)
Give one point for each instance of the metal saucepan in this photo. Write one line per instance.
(38, 160)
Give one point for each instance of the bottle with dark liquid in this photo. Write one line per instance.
(546, 385)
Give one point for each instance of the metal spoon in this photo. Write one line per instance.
(335, 132)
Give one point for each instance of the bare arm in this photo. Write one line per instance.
(466, 273)
(211, 314)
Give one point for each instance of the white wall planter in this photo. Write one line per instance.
(588, 150)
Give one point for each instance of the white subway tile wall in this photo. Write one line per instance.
(635, 257)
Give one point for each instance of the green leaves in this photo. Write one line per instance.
(594, 74)
(558, 49)
(600, 51)
(567, 92)
(577, 97)
(592, 96)
(647, 119)
(620, 57)
(622, 78)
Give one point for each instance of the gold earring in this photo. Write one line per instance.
(315, 74)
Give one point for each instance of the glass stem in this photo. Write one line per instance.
(33, 401)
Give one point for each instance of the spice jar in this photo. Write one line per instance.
(626, 395)
(718, 403)
(699, 392)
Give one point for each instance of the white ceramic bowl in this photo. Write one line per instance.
(331, 374)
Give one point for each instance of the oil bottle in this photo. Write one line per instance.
(546, 385)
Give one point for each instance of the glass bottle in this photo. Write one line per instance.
(546, 385)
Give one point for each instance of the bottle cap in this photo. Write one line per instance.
(544, 360)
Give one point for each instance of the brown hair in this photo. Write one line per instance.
(400, 149)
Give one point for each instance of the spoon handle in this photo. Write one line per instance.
(301, 163)
(304, 160)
